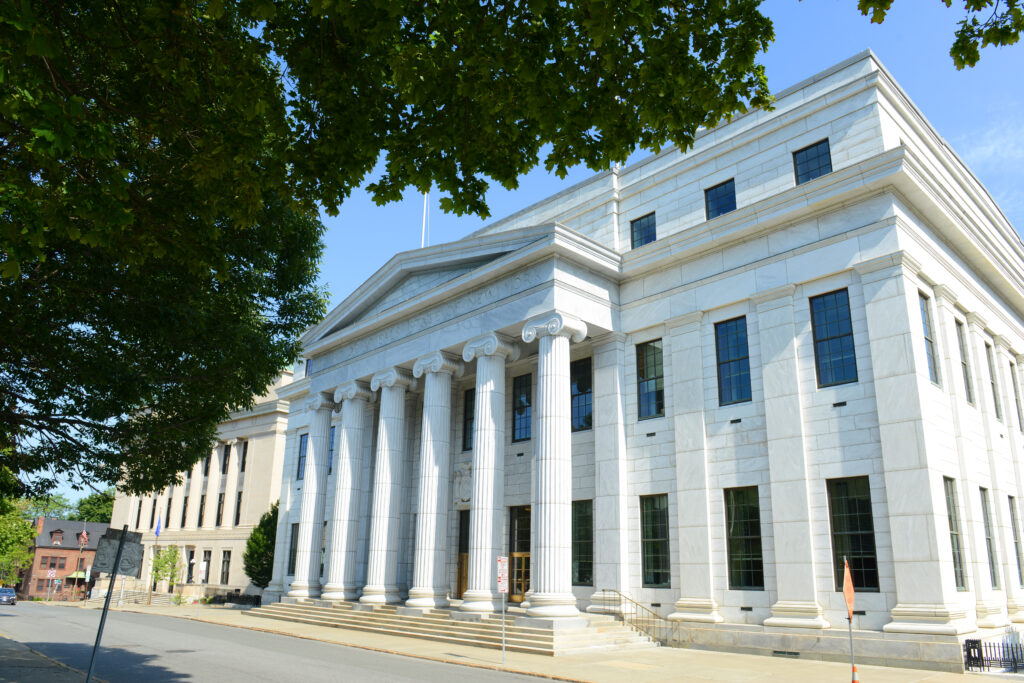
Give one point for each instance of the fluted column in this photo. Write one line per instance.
(488, 502)
(348, 472)
(311, 515)
(382, 571)
(212, 489)
(231, 485)
(551, 558)
(429, 587)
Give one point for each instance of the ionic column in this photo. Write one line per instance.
(343, 533)
(212, 489)
(488, 502)
(278, 582)
(382, 571)
(551, 558)
(231, 485)
(429, 587)
(314, 485)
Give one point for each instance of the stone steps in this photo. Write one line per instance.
(601, 633)
(131, 598)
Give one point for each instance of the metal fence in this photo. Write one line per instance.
(646, 621)
(982, 656)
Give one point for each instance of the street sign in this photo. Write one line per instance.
(131, 556)
(57, 583)
(503, 574)
(51, 574)
(202, 572)
(88, 573)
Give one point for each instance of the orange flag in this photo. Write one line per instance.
(848, 588)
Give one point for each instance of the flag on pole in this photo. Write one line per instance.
(158, 521)
(848, 587)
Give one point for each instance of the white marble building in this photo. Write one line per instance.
(699, 381)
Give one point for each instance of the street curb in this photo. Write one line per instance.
(489, 667)
(52, 660)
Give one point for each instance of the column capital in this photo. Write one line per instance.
(555, 324)
(392, 377)
(439, 361)
(490, 344)
(975, 320)
(354, 390)
(945, 293)
(320, 402)
(230, 442)
(1003, 344)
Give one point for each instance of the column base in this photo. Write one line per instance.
(797, 614)
(703, 610)
(605, 602)
(1015, 610)
(301, 589)
(380, 595)
(552, 606)
(931, 619)
(426, 598)
(481, 601)
(990, 614)
(333, 592)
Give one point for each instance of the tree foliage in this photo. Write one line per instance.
(16, 537)
(54, 506)
(96, 507)
(163, 163)
(985, 22)
(167, 565)
(259, 549)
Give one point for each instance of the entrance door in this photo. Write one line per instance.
(519, 553)
(462, 567)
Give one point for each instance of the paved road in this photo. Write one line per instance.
(147, 647)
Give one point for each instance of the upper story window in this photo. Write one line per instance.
(226, 459)
(468, 410)
(930, 351)
(992, 378)
(330, 452)
(581, 388)
(812, 161)
(1016, 396)
(57, 537)
(309, 367)
(733, 361)
(720, 199)
(965, 364)
(642, 230)
(834, 354)
(245, 454)
(206, 464)
(650, 380)
(300, 471)
(522, 408)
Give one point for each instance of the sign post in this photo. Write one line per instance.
(202, 580)
(503, 589)
(848, 595)
(117, 553)
(51, 574)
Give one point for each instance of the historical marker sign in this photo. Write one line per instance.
(503, 574)
(131, 556)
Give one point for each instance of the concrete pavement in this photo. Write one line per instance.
(640, 666)
(21, 663)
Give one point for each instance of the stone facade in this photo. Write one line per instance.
(857, 253)
(233, 488)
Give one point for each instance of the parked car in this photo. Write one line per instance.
(7, 596)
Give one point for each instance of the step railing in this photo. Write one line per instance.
(646, 621)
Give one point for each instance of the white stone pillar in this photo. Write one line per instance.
(797, 605)
(348, 473)
(1004, 482)
(231, 485)
(212, 489)
(488, 502)
(611, 475)
(429, 584)
(382, 570)
(551, 555)
(314, 485)
(696, 566)
(278, 583)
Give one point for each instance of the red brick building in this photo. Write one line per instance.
(64, 550)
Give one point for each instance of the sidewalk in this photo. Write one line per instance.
(637, 666)
(23, 664)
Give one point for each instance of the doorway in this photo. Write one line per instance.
(462, 567)
(519, 553)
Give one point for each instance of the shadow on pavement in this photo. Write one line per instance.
(112, 663)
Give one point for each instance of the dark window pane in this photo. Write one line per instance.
(581, 390)
(300, 471)
(955, 535)
(650, 380)
(330, 452)
(853, 532)
(743, 538)
(657, 568)
(293, 549)
(990, 541)
(522, 409)
(931, 354)
(642, 230)
(812, 162)
(583, 542)
(733, 361)
(468, 408)
(720, 199)
(965, 362)
(834, 355)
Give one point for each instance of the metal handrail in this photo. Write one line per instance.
(646, 621)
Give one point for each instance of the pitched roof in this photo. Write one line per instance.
(71, 530)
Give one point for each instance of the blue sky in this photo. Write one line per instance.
(977, 111)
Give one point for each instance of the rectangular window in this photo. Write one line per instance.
(61, 562)
(330, 452)
(152, 515)
(309, 367)
(1015, 525)
(583, 543)
(188, 474)
(53, 563)
(202, 509)
(733, 361)
(184, 511)
(654, 546)
(225, 567)
(834, 355)
(220, 509)
(1016, 396)
(225, 459)
(650, 380)
(81, 564)
(853, 532)
(238, 509)
(138, 515)
(323, 544)
(245, 454)
(207, 556)
(743, 538)
(812, 161)
(965, 364)
(293, 549)
(930, 352)
(581, 390)
(642, 230)
(995, 384)
(167, 513)
(300, 469)
(468, 408)
(40, 584)
(990, 541)
(522, 409)
(720, 199)
(42, 561)
(206, 464)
